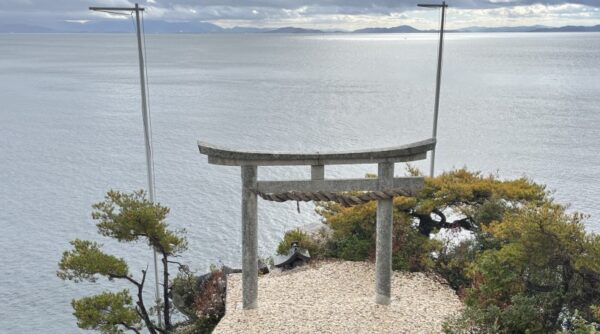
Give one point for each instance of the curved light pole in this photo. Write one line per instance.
(146, 120)
(438, 79)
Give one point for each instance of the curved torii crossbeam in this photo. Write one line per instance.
(382, 189)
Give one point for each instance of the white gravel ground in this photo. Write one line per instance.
(338, 297)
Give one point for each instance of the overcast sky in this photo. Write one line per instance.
(321, 14)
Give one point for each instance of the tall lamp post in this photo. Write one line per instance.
(146, 120)
(438, 79)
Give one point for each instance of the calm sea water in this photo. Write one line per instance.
(70, 129)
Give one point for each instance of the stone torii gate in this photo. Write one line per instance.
(382, 189)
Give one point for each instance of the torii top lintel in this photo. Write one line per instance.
(229, 157)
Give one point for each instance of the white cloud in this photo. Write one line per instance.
(77, 21)
(321, 14)
(551, 15)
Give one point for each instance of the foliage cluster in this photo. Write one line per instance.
(304, 240)
(354, 235)
(530, 266)
(543, 270)
(130, 217)
(352, 238)
(106, 309)
(201, 299)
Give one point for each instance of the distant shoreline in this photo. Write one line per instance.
(160, 27)
(288, 34)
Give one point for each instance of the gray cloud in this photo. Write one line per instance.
(28, 11)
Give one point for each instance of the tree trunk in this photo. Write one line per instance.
(428, 224)
(142, 307)
(166, 310)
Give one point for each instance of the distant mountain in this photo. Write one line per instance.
(595, 28)
(399, 29)
(156, 27)
(248, 30)
(536, 28)
(294, 30)
(502, 29)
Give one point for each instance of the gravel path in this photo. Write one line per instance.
(337, 297)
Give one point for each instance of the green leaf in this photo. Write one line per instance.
(86, 261)
(107, 312)
(131, 217)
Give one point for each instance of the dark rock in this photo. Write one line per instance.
(263, 268)
(228, 270)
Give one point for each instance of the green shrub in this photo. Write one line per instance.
(579, 325)
(453, 261)
(354, 236)
(529, 265)
(200, 298)
(546, 266)
(521, 315)
(304, 240)
(351, 248)
(411, 251)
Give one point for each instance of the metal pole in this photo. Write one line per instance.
(437, 86)
(148, 142)
(147, 135)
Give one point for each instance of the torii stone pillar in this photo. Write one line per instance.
(250, 237)
(383, 245)
(317, 187)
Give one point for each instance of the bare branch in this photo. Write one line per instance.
(130, 279)
(177, 263)
(130, 328)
